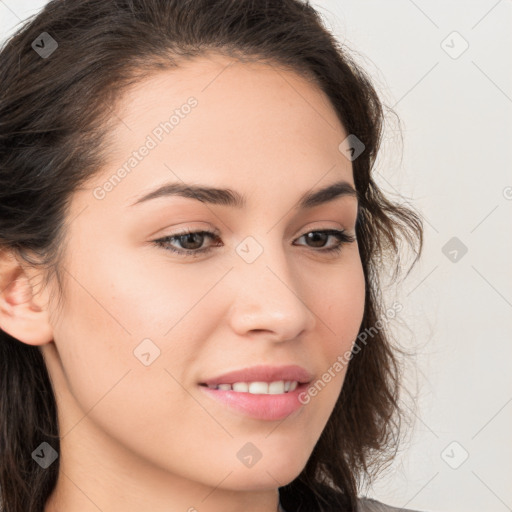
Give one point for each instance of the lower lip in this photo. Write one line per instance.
(259, 406)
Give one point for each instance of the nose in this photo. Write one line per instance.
(269, 300)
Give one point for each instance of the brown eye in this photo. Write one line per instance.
(318, 239)
(190, 242)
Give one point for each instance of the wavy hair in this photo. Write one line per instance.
(55, 116)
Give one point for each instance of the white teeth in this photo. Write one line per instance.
(259, 388)
(241, 386)
(275, 388)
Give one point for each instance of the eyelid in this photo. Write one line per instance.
(184, 230)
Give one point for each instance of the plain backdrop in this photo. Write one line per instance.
(444, 68)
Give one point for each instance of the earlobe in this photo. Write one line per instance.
(21, 314)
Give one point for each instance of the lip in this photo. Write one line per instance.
(263, 373)
(259, 406)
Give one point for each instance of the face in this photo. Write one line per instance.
(142, 326)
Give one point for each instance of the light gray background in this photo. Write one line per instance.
(455, 113)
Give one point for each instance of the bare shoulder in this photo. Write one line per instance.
(370, 505)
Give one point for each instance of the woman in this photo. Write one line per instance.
(190, 315)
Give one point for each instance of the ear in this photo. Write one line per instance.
(23, 309)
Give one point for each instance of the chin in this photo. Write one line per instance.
(280, 469)
(259, 479)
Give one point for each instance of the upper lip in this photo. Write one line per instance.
(262, 373)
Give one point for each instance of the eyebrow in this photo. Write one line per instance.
(229, 197)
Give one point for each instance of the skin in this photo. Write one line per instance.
(145, 438)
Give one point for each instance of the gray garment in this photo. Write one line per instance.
(370, 505)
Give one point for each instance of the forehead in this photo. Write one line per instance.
(240, 99)
(215, 119)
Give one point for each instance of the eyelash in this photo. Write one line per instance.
(342, 236)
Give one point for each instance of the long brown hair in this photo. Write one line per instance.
(55, 114)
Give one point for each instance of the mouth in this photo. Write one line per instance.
(267, 401)
(258, 387)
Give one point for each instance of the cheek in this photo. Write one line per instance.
(340, 309)
(344, 310)
(125, 314)
(97, 334)
(342, 304)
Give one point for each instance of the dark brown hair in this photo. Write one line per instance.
(55, 115)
